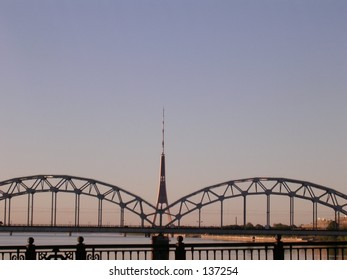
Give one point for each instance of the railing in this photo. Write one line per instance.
(316, 251)
(196, 251)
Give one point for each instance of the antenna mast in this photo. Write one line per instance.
(163, 131)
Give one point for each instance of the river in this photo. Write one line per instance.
(89, 238)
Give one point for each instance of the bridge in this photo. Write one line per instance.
(193, 231)
(70, 189)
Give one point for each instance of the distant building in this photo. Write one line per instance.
(323, 223)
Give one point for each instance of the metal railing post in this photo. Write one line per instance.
(180, 252)
(81, 249)
(278, 250)
(160, 249)
(30, 252)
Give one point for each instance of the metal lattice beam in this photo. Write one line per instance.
(56, 184)
(196, 201)
(259, 186)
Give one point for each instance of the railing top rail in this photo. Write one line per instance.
(186, 245)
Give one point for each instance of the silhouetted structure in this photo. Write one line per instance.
(30, 253)
(160, 247)
(162, 201)
(278, 248)
(80, 249)
(180, 253)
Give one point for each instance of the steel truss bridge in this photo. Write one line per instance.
(77, 187)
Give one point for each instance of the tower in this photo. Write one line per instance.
(162, 201)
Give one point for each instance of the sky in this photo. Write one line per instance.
(250, 88)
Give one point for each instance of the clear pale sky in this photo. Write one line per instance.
(250, 88)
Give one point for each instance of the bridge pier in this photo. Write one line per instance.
(199, 221)
(268, 211)
(315, 215)
(30, 209)
(337, 217)
(122, 216)
(291, 210)
(244, 209)
(100, 212)
(54, 208)
(77, 209)
(7, 211)
(221, 213)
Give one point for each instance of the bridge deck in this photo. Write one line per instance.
(174, 230)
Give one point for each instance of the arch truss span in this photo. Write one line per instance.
(265, 186)
(76, 186)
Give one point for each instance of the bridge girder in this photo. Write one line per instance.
(75, 185)
(267, 186)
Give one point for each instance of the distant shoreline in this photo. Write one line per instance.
(248, 238)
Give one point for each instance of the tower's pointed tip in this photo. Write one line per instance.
(163, 140)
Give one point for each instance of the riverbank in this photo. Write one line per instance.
(248, 238)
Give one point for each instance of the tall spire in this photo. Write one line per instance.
(162, 143)
(162, 201)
